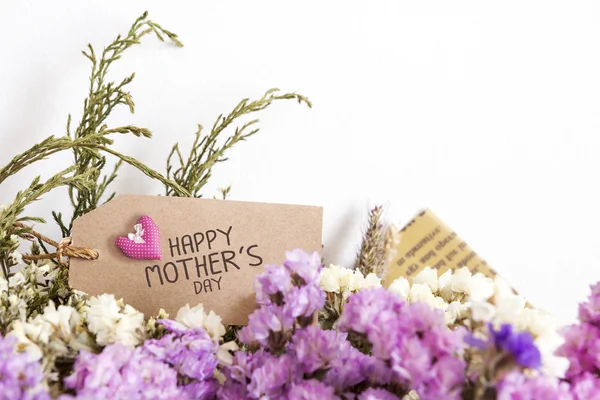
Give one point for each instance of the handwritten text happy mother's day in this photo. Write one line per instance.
(193, 257)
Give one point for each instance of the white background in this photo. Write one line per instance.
(489, 114)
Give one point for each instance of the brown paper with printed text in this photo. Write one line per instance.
(426, 241)
(244, 237)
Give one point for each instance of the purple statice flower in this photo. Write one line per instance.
(516, 386)
(259, 375)
(232, 391)
(315, 348)
(377, 394)
(264, 324)
(303, 301)
(20, 377)
(306, 266)
(120, 372)
(352, 368)
(311, 389)
(586, 387)
(192, 353)
(519, 344)
(589, 312)
(288, 296)
(412, 338)
(272, 376)
(582, 340)
(582, 349)
(271, 284)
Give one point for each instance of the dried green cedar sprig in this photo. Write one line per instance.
(371, 257)
(193, 172)
(103, 97)
(12, 214)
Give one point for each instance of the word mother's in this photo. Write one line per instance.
(203, 263)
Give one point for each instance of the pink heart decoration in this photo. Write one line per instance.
(144, 244)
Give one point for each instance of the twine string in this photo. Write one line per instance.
(63, 248)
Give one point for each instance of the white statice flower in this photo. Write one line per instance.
(460, 280)
(371, 281)
(16, 279)
(3, 285)
(27, 337)
(429, 277)
(337, 279)
(113, 322)
(334, 278)
(57, 331)
(17, 306)
(456, 311)
(196, 317)
(400, 287)
(16, 257)
(480, 287)
(505, 306)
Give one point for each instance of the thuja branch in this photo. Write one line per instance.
(176, 188)
(194, 171)
(103, 97)
(10, 218)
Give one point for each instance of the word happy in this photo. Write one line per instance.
(198, 258)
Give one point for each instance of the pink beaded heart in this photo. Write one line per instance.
(144, 243)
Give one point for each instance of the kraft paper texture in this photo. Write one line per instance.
(211, 251)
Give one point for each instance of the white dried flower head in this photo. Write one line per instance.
(16, 257)
(482, 311)
(224, 352)
(112, 322)
(196, 317)
(3, 285)
(19, 330)
(356, 281)
(507, 307)
(480, 287)
(16, 279)
(455, 311)
(57, 331)
(63, 319)
(331, 278)
(371, 281)
(400, 287)
(460, 280)
(421, 292)
(429, 276)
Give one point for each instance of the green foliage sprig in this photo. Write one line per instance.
(195, 171)
(88, 186)
(103, 97)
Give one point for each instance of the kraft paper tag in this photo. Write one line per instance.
(427, 242)
(211, 250)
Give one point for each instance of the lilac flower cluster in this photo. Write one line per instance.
(582, 341)
(315, 364)
(411, 348)
(288, 296)
(180, 365)
(20, 377)
(582, 349)
(191, 352)
(515, 386)
(412, 339)
(120, 372)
